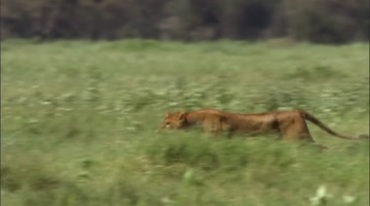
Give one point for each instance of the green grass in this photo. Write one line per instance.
(78, 122)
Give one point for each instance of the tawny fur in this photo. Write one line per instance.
(289, 125)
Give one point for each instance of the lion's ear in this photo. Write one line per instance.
(167, 114)
(182, 115)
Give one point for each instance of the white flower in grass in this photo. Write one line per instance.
(321, 196)
(349, 199)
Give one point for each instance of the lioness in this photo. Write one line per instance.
(289, 125)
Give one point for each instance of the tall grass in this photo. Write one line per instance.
(78, 122)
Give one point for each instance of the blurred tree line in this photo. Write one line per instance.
(320, 21)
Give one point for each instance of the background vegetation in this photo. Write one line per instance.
(78, 122)
(329, 21)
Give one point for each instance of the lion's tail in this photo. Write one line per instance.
(318, 123)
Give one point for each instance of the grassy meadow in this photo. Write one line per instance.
(79, 120)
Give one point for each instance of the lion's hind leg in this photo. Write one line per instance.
(295, 129)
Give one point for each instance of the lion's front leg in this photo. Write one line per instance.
(217, 126)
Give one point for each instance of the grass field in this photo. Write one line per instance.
(78, 122)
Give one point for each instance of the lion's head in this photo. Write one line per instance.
(174, 120)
